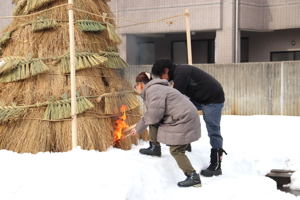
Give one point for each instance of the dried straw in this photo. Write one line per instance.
(24, 7)
(43, 24)
(114, 60)
(11, 113)
(113, 101)
(84, 60)
(112, 34)
(62, 109)
(4, 38)
(35, 42)
(90, 26)
(16, 68)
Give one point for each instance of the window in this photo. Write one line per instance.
(244, 49)
(285, 55)
(179, 52)
(146, 53)
(203, 51)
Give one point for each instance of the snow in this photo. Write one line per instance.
(255, 145)
(295, 179)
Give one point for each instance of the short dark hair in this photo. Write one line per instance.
(159, 66)
(142, 77)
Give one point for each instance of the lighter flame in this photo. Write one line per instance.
(121, 125)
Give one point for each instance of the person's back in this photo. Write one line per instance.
(179, 121)
(197, 84)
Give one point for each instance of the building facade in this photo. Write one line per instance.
(222, 31)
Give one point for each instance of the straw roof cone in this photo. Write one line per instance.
(35, 112)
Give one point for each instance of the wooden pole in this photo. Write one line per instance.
(188, 35)
(237, 34)
(73, 73)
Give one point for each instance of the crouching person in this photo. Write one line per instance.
(176, 119)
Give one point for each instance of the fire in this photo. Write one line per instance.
(120, 124)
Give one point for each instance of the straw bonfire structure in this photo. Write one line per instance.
(35, 105)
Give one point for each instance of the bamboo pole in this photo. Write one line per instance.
(72, 74)
(188, 35)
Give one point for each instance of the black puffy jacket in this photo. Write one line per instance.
(198, 85)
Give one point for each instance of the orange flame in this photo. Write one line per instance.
(120, 124)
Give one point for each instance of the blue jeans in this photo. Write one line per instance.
(212, 117)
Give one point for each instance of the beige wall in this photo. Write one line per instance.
(5, 10)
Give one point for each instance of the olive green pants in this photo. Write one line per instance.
(178, 152)
(153, 133)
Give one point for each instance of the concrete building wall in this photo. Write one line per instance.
(162, 42)
(262, 15)
(205, 15)
(225, 38)
(6, 9)
(218, 16)
(215, 15)
(261, 44)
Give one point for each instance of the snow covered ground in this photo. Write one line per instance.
(255, 145)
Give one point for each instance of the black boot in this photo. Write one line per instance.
(189, 147)
(192, 179)
(153, 150)
(214, 168)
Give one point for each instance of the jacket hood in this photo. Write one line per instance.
(154, 82)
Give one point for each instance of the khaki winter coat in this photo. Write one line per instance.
(177, 117)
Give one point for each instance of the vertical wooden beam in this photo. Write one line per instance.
(237, 33)
(73, 73)
(282, 89)
(188, 35)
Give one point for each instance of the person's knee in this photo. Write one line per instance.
(175, 151)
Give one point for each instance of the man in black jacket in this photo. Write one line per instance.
(207, 95)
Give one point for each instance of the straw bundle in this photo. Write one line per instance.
(15, 68)
(113, 101)
(62, 109)
(35, 68)
(114, 60)
(11, 112)
(84, 60)
(90, 25)
(112, 34)
(43, 24)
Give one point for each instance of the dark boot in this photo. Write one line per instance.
(214, 168)
(192, 179)
(153, 150)
(189, 147)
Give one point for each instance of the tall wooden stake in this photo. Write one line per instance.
(73, 73)
(188, 36)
